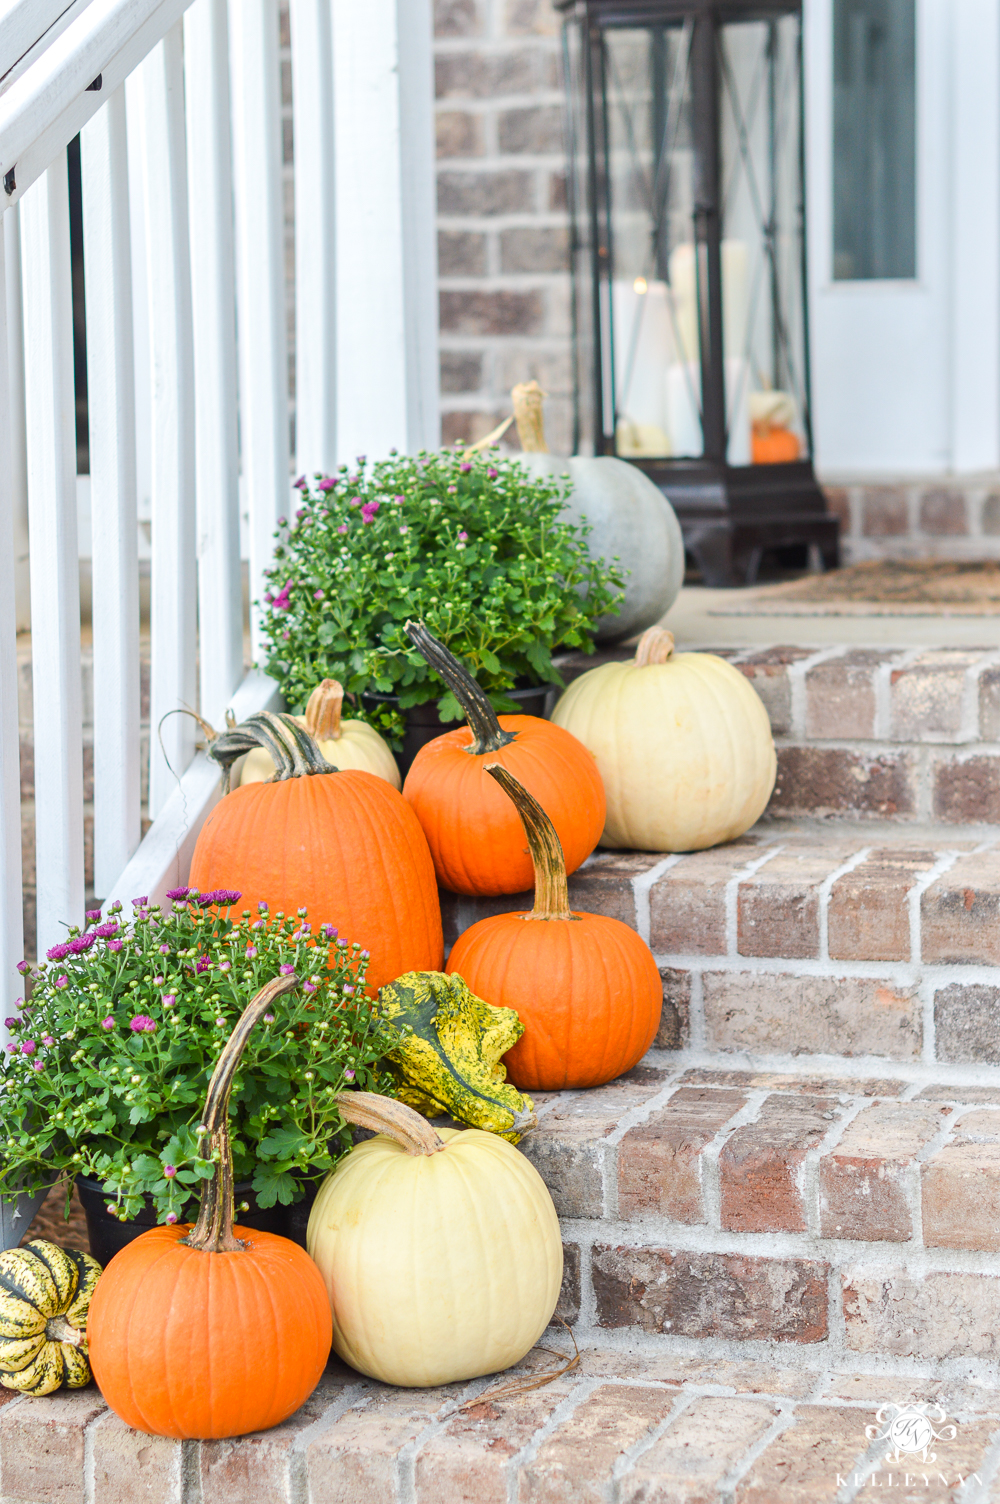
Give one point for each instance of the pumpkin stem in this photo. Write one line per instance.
(527, 399)
(655, 646)
(213, 1231)
(551, 889)
(293, 751)
(487, 733)
(323, 711)
(395, 1119)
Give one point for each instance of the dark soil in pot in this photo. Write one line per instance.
(108, 1236)
(423, 723)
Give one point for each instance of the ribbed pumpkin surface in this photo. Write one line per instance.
(684, 749)
(473, 830)
(345, 845)
(358, 746)
(175, 1332)
(45, 1291)
(439, 1267)
(587, 991)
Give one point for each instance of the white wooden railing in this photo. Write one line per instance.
(181, 100)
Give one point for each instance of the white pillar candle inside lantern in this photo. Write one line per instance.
(642, 347)
(683, 384)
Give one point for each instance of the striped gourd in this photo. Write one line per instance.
(45, 1293)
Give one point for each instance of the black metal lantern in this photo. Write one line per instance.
(689, 298)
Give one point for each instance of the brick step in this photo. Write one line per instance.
(902, 734)
(622, 1428)
(721, 1208)
(839, 940)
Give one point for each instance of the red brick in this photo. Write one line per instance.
(659, 1161)
(989, 702)
(840, 695)
(928, 695)
(838, 504)
(967, 790)
(868, 917)
(960, 1196)
(604, 886)
(711, 1294)
(537, 129)
(952, 1092)
(675, 1019)
(875, 1086)
(457, 18)
(883, 512)
(130, 1467)
(468, 1461)
(960, 912)
(825, 781)
(41, 1447)
(355, 1458)
(772, 1013)
(257, 1466)
(573, 1465)
(568, 1306)
(567, 1146)
(768, 673)
(808, 1463)
(459, 134)
(967, 1026)
(942, 513)
(500, 311)
(862, 1181)
(697, 1451)
(485, 75)
(687, 905)
(760, 1166)
(893, 1313)
(778, 907)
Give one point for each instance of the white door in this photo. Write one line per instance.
(903, 144)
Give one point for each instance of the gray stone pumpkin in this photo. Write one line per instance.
(629, 515)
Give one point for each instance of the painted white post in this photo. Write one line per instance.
(315, 279)
(260, 261)
(18, 432)
(11, 934)
(213, 300)
(55, 564)
(386, 258)
(114, 550)
(168, 273)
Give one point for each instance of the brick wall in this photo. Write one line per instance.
(502, 223)
(937, 517)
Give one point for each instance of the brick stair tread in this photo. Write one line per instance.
(625, 1426)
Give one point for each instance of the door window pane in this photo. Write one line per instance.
(874, 139)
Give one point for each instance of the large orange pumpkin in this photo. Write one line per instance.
(213, 1330)
(585, 987)
(473, 832)
(345, 845)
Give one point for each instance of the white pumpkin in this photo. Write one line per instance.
(629, 515)
(683, 744)
(345, 744)
(440, 1249)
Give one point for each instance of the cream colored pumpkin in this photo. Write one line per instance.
(683, 744)
(345, 744)
(440, 1250)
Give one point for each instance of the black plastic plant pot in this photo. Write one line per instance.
(109, 1236)
(423, 723)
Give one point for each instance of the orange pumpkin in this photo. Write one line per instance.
(345, 845)
(473, 832)
(773, 446)
(585, 987)
(213, 1330)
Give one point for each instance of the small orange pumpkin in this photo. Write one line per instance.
(343, 844)
(585, 987)
(773, 446)
(211, 1331)
(473, 832)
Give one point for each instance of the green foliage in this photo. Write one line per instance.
(473, 546)
(112, 1055)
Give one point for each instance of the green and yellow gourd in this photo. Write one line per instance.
(45, 1295)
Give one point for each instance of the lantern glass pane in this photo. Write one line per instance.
(874, 140)
(763, 292)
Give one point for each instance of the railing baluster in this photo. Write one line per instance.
(11, 933)
(173, 593)
(18, 432)
(114, 550)
(213, 297)
(55, 563)
(263, 341)
(315, 268)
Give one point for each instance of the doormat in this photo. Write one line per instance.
(895, 587)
